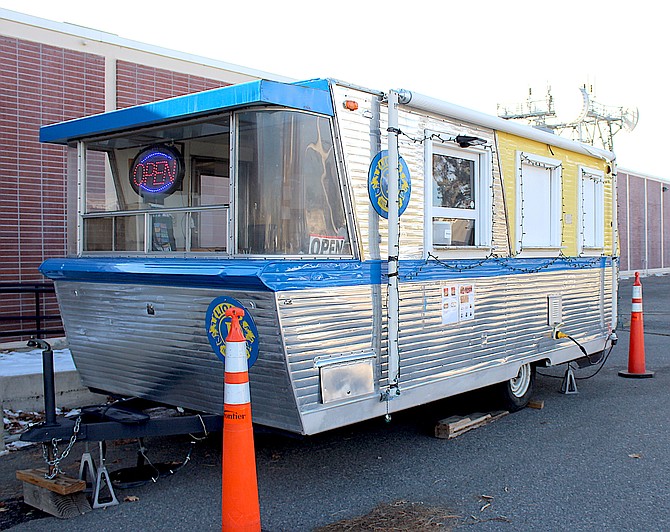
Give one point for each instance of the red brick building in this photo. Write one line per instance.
(51, 72)
(643, 214)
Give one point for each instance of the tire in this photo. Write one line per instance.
(515, 393)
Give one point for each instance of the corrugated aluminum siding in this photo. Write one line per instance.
(510, 326)
(355, 133)
(119, 348)
(323, 323)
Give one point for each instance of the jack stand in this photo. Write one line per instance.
(87, 471)
(569, 385)
(102, 480)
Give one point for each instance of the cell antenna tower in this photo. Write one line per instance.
(596, 124)
(535, 111)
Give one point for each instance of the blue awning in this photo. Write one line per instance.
(309, 96)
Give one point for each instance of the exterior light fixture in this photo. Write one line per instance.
(465, 141)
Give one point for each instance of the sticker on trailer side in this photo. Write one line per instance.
(458, 302)
(218, 325)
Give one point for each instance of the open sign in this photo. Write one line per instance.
(158, 170)
(326, 245)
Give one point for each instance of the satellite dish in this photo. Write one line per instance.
(571, 105)
(585, 105)
(629, 118)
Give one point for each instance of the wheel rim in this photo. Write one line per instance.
(519, 384)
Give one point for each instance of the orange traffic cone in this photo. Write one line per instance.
(240, 509)
(636, 367)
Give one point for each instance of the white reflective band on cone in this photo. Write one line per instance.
(236, 357)
(636, 307)
(236, 394)
(637, 292)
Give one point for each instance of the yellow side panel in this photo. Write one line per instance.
(509, 145)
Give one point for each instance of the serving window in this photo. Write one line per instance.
(459, 202)
(174, 190)
(591, 210)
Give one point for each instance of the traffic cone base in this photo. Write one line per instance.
(629, 375)
(636, 363)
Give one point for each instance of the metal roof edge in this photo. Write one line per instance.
(496, 123)
(642, 175)
(113, 39)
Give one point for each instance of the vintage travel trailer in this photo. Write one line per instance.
(389, 249)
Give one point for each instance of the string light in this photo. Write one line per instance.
(434, 137)
(511, 263)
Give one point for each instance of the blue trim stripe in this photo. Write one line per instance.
(279, 275)
(433, 270)
(312, 97)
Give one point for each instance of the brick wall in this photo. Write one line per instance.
(138, 84)
(643, 214)
(39, 84)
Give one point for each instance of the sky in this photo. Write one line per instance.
(475, 54)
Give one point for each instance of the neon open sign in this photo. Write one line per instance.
(158, 170)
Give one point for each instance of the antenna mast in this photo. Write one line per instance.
(596, 123)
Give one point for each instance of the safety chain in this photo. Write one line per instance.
(55, 462)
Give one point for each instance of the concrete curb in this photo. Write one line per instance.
(26, 393)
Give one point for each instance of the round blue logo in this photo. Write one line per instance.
(378, 177)
(218, 325)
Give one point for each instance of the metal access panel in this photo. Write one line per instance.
(347, 380)
(554, 310)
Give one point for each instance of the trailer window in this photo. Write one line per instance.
(162, 190)
(592, 209)
(459, 200)
(289, 200)
(539, 207)
(173, 189)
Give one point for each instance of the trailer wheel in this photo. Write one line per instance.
(515, 393)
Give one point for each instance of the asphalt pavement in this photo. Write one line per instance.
(596, 460)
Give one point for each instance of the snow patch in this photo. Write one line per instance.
(29, 362)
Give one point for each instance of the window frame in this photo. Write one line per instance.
(482, 214)
(598, 230)
(555, 203)
(234, 214)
